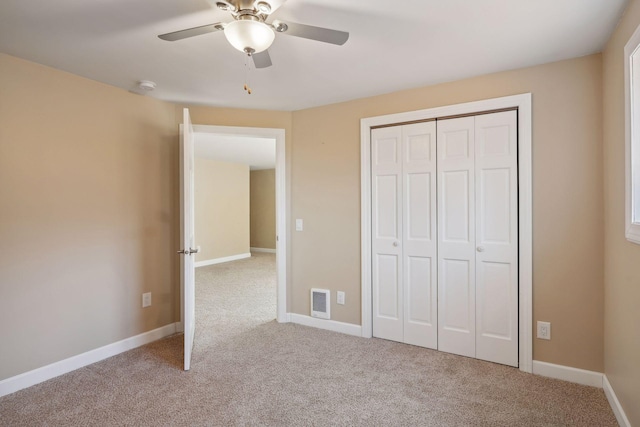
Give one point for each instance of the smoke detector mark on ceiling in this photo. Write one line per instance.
(146, 86)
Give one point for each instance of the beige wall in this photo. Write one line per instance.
(622, 258)
(221, 209)
(89, 213)
(567, 198)
(89, 218)
(263, 209)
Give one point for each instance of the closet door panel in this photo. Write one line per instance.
(457, 294)
(455, 198)
(494, 300)
(386, 207)
(419, 234)
(456, 236)
(497, 238)
(418, 291)
(419, 206)
(386, 274)
(386, 219)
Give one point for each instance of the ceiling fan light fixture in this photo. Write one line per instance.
(280, 27)
(263, 7)
(250, 35)
(223, 5)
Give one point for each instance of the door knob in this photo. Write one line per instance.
(189, 251)
(480, 249)
(395, 243)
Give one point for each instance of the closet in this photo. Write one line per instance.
(445, 235)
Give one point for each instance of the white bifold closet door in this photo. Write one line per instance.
(444, 235)
(403, 167)
(477, 203)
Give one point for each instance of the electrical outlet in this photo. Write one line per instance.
(340, 297)
(146, 299)
(544, 330)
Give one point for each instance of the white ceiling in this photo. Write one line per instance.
(392, 46)
(258, 153)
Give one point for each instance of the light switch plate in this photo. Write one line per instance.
(299, 225)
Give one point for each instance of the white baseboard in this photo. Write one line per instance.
(615, 403)
(567, 373)
(330, 325)
(284, 319)
(27, 379)
(223, 259)
(267, 250)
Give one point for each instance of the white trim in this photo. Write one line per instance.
(36, 376)
(329, 325)
(266, 250)
(222, 259)
(621, 417)
(523, 103)
(567, 373)
(632, 142)
(282, 218)
(282, 195)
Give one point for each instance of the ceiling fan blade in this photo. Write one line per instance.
(262, 59)
(314, 33)
(192, 32)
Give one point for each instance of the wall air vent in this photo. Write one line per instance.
(321, 303)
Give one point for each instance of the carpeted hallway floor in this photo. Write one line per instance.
(249, 370)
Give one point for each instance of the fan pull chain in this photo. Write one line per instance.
(247, 73)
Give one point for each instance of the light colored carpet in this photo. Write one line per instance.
(249, 370)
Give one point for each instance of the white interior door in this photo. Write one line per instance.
(497, 237)
(386, 233)
(419, 242)
(456, 236)
(187, 237)
(404, 234)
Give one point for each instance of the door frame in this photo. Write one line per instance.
(525, 206)
(281, 202)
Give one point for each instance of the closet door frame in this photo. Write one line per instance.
(525, 276)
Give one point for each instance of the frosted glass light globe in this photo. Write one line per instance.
(254, 35)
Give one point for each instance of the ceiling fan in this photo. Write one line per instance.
(250, 33)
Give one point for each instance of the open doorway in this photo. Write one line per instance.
(219, 252)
